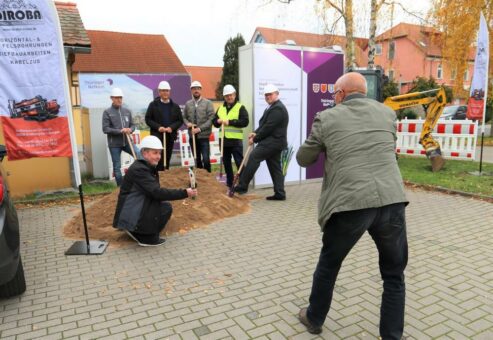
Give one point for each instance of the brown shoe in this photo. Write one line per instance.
(309, 327)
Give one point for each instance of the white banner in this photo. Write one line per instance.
(34, 100)
(479, 84)
(274, 67)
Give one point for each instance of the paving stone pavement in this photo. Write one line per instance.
(247, 277)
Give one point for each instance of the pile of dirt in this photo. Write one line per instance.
(212, 204)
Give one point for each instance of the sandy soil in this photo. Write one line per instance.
(212, 204)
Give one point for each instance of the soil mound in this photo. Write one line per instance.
(212, 204)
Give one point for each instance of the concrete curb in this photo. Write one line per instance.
(428, 187)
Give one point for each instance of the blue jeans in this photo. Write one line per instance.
(115, 153)
(203, 153)
(387, 227)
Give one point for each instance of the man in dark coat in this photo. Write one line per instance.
(164, 116)
(142, 210)
(271, 139)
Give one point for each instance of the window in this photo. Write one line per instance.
(391, 50)
(466, 74)
(391, 75)
(378, 49)
(453, 74)
(259, 39)
(439, 71)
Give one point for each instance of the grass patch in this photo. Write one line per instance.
(89, 189)
(454, 175)
(488, 141)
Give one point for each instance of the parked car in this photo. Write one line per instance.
(12, 281)
(454, 112)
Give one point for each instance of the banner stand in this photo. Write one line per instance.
(86, 247)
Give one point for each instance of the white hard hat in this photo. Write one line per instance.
(196, 84)
(116, 92)
(228, 89)
(270, 88)
(164, 85)
(151, 142)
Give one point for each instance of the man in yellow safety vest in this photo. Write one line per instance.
(233, 117)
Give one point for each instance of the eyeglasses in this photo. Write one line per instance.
(335, 93)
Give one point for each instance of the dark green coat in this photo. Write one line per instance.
(358, 139)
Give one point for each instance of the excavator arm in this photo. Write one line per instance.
(434, 101)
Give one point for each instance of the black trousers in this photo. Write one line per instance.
(151, 233)
(387, 227)
(237, 152)
(170, 142)
(272, 156)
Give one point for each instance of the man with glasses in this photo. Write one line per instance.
(163, 116)
(197, 115)
(362, 191)
(271, 139)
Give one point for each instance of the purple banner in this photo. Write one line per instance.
(180, 85)
(323, 69)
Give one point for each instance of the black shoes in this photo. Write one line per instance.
(275, 198)
(146, 240)
(309, 327)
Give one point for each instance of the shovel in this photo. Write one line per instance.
(236, 179)
(222, 155)
(131, 146)
(164, 151)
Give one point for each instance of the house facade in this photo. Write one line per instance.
(407, 51)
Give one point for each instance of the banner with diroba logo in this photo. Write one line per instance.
(34, 102)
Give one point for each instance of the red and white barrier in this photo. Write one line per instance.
(186, 152)
(457, 138)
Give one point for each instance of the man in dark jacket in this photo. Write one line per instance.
(117, 124)
(271, 139)
(234, 116)
(142, 210)
(163, 116)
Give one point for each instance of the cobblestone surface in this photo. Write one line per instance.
(247, 277)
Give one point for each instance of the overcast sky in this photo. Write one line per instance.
(197, 30)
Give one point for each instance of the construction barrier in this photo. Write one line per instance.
(457, 138)
(186, 149)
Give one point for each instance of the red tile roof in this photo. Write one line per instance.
(208, 76)
(276, 36)
(73, 31)
(128, 53)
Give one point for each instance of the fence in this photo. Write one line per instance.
(457, 138)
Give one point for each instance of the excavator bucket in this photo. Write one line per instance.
(436, 159)
(437, 163)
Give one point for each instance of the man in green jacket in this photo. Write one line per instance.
(362, 190)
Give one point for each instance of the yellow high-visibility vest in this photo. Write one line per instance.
(231, 132)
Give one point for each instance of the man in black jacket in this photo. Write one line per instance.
(164, 116)
(271, 139)
(142, 210)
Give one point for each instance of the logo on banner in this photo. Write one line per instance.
(331, 88)
(316, 87)
(323, 88)
(17, 12)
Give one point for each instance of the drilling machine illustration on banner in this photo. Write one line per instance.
(37, 108)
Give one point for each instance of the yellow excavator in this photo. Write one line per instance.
(433, 101)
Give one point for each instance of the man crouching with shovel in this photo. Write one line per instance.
(142, 210)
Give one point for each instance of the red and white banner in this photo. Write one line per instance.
(34, 102)
(476, 106)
